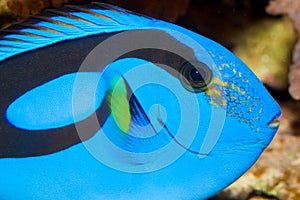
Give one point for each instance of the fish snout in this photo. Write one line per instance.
(275, 121)
(273, 114)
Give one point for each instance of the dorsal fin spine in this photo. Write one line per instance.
(66, 23)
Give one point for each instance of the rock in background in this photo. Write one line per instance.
(264, 42)
(18, 10)
(292, 9)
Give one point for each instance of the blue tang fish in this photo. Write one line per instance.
(101, 103)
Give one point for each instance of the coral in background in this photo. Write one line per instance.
(17, 10)
(268, 50)
(292, 9)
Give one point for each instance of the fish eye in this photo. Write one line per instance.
(195, 77)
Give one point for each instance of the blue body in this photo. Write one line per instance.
(237, 109)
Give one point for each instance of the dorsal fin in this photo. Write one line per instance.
(68, 22)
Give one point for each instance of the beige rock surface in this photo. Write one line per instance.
(292, 9)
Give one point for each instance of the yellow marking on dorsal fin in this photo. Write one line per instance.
(118, 102)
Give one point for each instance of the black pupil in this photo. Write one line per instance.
(196, 75)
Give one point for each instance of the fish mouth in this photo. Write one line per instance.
(275, 122)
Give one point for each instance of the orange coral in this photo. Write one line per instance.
(166, 10)
(21, 9)
(292, 9)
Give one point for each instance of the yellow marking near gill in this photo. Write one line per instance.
(232, 86)
(245, 120)
(224, 102)
(217, 93)
(214, 103)
(218, 82)
(230, 114)
(260, 110)
(255, 118)
(234, 71)
(233, 97)
(212, 54)
(119, 105)
(242, 120)
(233, 93)
(256, 102)
(213, 67)
(250, 109)
(225, 65)
(248, 106)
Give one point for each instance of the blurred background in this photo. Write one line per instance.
(264, 34)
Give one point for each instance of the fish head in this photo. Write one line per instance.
(204, 114)
(193, 86)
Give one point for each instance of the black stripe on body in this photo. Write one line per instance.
(23, 72)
